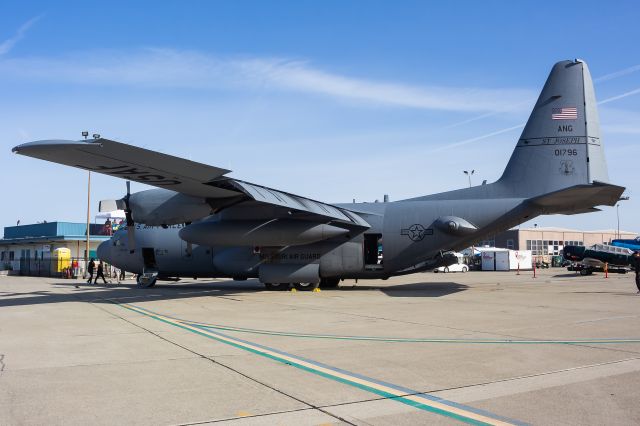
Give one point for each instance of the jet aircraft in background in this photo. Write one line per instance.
(633, 244)
(596, 256)
(201, 222)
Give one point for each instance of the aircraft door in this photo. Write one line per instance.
(373, 254)
(149, 258)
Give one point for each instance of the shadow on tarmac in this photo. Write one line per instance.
(423, 289)
(567, 275)
(130, 293)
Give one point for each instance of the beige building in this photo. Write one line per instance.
(550, 241)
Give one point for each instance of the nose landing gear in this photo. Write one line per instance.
(147, 279)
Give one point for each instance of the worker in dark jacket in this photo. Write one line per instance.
(100, 273)
(90, 268)
(636, 266)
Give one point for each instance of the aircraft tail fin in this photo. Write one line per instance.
(560, 146)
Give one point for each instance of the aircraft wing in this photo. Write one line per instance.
(130, 163)
(177, 174)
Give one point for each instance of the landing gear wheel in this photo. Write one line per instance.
(329, 282)
(446, 269)
(305, 286)
(464, 269)
(145, 283)
(276, 286)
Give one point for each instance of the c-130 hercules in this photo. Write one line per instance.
(201, 223)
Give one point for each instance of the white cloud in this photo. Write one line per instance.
(621, 96)
(8, 44)
(617, 74)
(166, 68)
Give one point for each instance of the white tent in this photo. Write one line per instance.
(116, 214)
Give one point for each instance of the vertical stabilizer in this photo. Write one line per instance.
(560, 146)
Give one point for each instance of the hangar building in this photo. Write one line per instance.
(29, 248)
(550, 241)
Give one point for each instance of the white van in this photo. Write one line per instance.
(456, 267)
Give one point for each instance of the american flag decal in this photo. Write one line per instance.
(567, 113)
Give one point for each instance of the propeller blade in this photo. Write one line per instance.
(131, 234)
(131, 230)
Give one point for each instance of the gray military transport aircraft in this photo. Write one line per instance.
(202, 223)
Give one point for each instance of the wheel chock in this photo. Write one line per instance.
(316, 290)
(293, 290)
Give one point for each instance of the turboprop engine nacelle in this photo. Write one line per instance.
(160, 207)
(272, 233)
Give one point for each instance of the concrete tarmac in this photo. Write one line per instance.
(480, 347)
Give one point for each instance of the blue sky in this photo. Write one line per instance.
(332, 100)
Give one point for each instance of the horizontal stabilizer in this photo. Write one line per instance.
(578, 199)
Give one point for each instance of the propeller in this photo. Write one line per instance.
(131, 230)
(123, 204)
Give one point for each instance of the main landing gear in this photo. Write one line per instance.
(287, 286)
(324, 283)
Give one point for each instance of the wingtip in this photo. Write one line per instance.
(50, 142)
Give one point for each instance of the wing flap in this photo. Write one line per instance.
(262, 194)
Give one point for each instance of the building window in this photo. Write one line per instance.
(487, 243)
(510, 244)
(537, 248)
(11, 255)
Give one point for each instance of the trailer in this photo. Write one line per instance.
(499, 259)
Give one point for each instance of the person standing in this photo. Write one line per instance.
(100, 273)
(636, 266)
(90, 268)
(74, 268)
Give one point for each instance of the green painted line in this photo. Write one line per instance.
(403, 339)
(403, 399)
(409, 339)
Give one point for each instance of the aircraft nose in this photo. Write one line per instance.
(104, 251)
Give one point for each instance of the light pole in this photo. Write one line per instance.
(618, 213)
(466, 172)
(86, 252)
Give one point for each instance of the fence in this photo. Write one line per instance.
(50, 267)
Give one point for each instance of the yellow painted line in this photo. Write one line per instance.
(415, 399)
